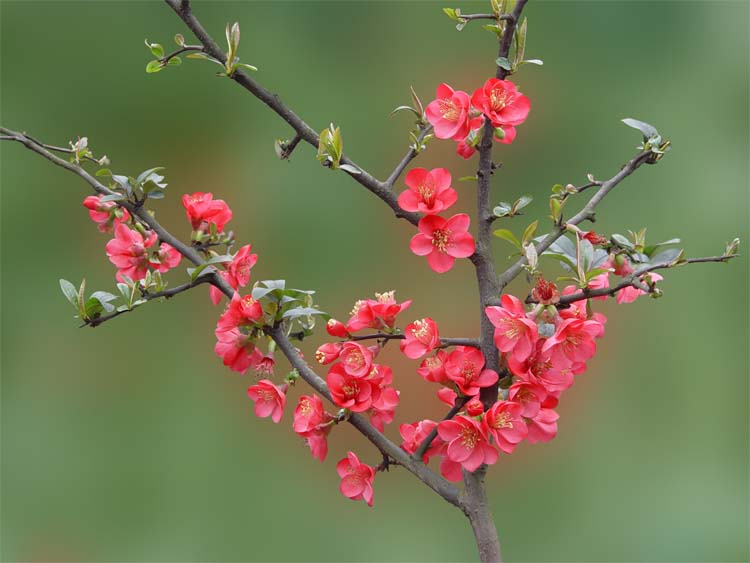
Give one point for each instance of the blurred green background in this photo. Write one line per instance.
(131, 442)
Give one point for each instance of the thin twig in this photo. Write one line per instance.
(444, 342)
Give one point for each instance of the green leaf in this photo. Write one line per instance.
(246, 66)
(504, 63)
(591, 274)
(153, 66)
(537, 62)
(622, 241)
(587, 255)
(649, 250)
(70, 292)
(406, 108)
(520, 41)
(647, 129)
(505, 234)
(104, 298)
(174, 61)
(103, 172)
(528, 234)
(503, 209)
(451, 13)
(301, 312)
(520, 203)
(156, 49)
(113, 197)
(468, 178)
(179, 39)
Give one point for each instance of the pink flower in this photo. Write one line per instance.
(515, 333)
(328, 352)
(376, 313)
(468, 442)
(414, 434)
(356, 478)
(312, 423)
(501, 102)
(240, 312)
(347, 391)
(269, 399)
(356, 359)
(504, 423)
(464, 368)
(573, 342)
(432, 368)
(442, 241)
(128, 252)
(529, 395)
(599, 282)
(539, 368)
(449, 113)
(429, 191)
(105, 214)
(237, 273)
(542, 427)
(630, 294)
(447, 396)
(236, 349)
(165, 259)
(421, 337)
(202, 210)
(619, 264)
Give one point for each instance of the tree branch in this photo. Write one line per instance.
(273, 101)
(437, 483)
(411, 155)
(167, 293)
(444, 342)
(585, 214)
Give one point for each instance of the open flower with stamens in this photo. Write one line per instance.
(420, 338)
(356, 478)
(269, 399)
(464, 368)
(240, 312)
(237, 350)
(355, 359)
(311, 422)
(573, 342)
(504, 423)
(468, 442)
(449, 113)
(429, 191)
(347, 391)
(432, 368)
(443, 240)
(375, 313)
(128, 252)
(515, 333)
(501, 102)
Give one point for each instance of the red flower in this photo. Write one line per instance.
(202, 210)
(356, 359)
(515, 333)
(312, 423)
(105, 214)
(269, 399)
(165, 259)
(375, 313)
(356, 478)
(432, 368)
(414, 434)
(236, 349)
(464, 368)
(504, 423)
(328, 352)
(429, 191)
(502, 103)
(442, 241)
(128, 252)
(449, 113)
(241, 311)
(468, 442)
(237, 274)
(421, 337)
(347, 391)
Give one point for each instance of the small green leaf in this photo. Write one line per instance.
(113, 197)
(504, 63)
(174, 61)
(622, 241)
(647, 129)
(505, 234)
(407, 108)
(153, 66)
(520, 203)
(156, 49)
(451, 13)
(468, 178)
(179, 39)
(537, 62)
(70, 292)
(502, 210)
(528, 234)
(246, 66)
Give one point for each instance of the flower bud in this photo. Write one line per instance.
(328, 352)
(337, 329)
(474, 407)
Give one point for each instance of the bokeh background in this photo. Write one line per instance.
(132, 442)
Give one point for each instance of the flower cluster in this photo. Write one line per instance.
(543, 349)
(132, 250)
(455, 115)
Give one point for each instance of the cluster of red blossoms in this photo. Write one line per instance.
(454, 115)
(133, 250)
